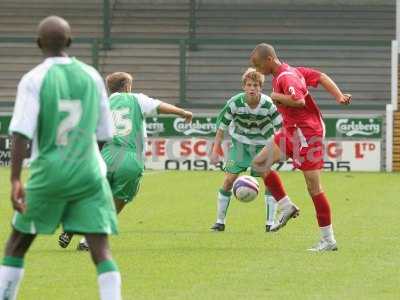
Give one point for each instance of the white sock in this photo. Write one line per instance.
(110, 285)
(223, 204)
(83, 240)
(10, 278)
(285, 202)
(270, 206)
(327, 233)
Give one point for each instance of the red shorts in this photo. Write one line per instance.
(306, 149)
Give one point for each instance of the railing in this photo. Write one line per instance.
(185, 44)
(95, 45)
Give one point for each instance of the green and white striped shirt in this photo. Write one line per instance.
(252, 126)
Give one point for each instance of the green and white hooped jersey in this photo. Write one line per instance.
(62, 106)
(252, 126)
(129, 111)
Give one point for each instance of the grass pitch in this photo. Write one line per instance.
(165, 250)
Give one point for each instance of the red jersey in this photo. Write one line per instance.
(294, 81)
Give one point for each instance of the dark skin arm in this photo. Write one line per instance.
(287, 100)
(18, 153)
(328, 84)
(331, 87)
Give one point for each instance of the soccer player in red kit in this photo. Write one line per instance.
(301, 137)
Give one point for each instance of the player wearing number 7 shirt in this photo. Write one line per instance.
(62, 107)
(301, 137)
(124, 154)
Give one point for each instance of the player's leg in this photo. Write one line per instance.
(119, 205)
(12, 267)
(95, 217)
(108, 276)
(83, 244)
(125, 180)
(269, 200)
(323, 211)
(270, 210)
(223, 200)
(238, 161)
(263, 162)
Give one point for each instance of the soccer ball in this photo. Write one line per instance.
(245, 188)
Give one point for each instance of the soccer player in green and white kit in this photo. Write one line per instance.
(251, 119)
(62, 107)
(124, 155)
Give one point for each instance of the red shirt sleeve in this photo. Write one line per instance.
(292, 85)
(311, 76)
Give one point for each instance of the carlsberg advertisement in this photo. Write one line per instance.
(205, 126)
(351, 144)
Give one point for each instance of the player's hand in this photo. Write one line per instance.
(18, 196)
(344, 99)
(214, 157)
(274, 97)
(188, 116)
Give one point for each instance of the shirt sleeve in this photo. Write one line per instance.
(148, 105)
(225, 117)
(311, 76)
(26, 109)
(104, 130)
(292, 85)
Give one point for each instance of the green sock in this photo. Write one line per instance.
(13, 261)
(105, 266)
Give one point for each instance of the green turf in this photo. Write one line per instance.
(165, 251)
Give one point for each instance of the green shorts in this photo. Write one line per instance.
(124, 174)
(91, 214)
(240, 157)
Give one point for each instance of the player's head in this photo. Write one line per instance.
(263, 58)
(54, 35)
(252, 82)
(119, 82)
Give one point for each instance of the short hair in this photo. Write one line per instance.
(252, 74)
(264, 50)
(116, 82)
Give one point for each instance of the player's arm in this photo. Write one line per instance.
(287, 100)
(151, 107)
(224, 119)
(331, 87)
(292, 95)
(18, 154)
(22, 128)
(216, 148)
(165, 108)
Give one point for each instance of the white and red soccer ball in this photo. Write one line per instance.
(245, 188)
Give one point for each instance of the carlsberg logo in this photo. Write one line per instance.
(154, 127)
(353, 127)
(197, 126)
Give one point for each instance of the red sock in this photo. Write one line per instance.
(322, 209)
(274, 184)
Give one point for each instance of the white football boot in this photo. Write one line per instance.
(285, 214)
(324, 245)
